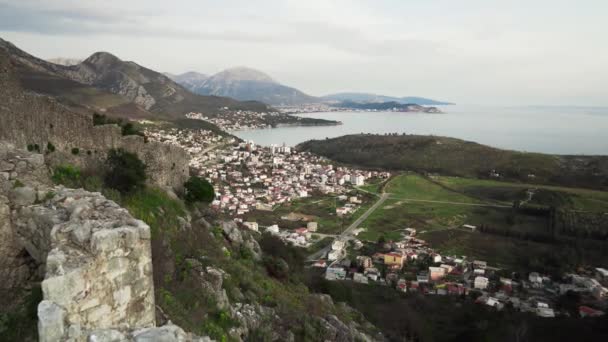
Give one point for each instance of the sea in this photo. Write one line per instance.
(546, 129)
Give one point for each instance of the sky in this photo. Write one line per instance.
(499, 52)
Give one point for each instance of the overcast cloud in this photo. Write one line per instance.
(507, 52)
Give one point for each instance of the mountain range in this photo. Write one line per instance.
(104, 82)
(243, 84)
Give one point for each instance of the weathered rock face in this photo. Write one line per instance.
(239, 238)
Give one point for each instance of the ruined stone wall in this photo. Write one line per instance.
(99, 268)
(30, 119)
(94, 257)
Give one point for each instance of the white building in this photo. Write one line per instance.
(274, 229)
(481, 283)
(337, 245)
(251, 225)
(359, 180)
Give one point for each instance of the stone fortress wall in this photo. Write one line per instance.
(94, 257)
(31, 119)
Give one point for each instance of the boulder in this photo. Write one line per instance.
(6, 166)
(232, 232)
(107, 335)
(166, 333)
(22, 196)
(51, 322)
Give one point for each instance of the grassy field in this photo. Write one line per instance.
(413, 186)
(439, 222)
(507, 192)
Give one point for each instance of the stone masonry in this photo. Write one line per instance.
(95, 257)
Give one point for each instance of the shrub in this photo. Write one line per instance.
(50, 147)
(198, 190)
(127, 128)
(276, 267)
(67, 175)
(18, 184)
(126, 172)
(75, 150)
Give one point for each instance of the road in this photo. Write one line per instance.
(345, 234)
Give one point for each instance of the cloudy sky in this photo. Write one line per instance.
(506, 52)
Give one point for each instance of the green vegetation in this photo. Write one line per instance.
(67, 175)
(507, 192)
(454, 157)
(126, 172)
(75, 151)
(50, 148)
(516, 229)
(320, 244)
(33, 148)
(72, 177)
(154, 207)
(198, 190)
(413, 186)
(18, 321)
(127, 128)
(321, 209)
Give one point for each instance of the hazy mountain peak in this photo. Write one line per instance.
(242, 73)
(102, 58)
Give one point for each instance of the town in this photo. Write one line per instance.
(248, 177)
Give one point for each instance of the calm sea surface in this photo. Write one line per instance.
(559, 130)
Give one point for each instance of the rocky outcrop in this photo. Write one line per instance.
(241, 239)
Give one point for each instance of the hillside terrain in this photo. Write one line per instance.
(244, 84)
(105, 82)
(455, 157)
(374, 98)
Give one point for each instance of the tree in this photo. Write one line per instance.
(126, 172)
(198, 190)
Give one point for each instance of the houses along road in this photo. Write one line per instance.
(345, 235)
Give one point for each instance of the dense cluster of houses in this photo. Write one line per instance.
(410, 265)
(195, 142)
(237, 120)
(247, 176)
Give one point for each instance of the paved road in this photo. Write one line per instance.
(344, 235)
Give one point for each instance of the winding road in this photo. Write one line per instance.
(346, 234)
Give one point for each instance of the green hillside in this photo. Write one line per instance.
(455, 157)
